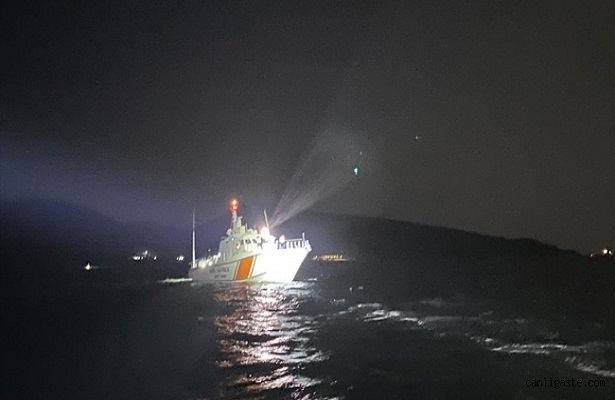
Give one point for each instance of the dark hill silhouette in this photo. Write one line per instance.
(48, 239)
(47, 222)
(370, 237)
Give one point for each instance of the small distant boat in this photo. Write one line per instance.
(90, 267)
(246, 255)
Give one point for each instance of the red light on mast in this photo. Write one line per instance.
(234, 205)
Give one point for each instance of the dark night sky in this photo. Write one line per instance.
(140, 110)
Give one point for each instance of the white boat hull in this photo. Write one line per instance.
(280, 265)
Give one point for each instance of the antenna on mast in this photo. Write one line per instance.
(193, 238)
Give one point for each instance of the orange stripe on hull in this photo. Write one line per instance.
(244, 269)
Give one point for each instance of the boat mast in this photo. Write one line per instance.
(233, 208)
(266, 220)
(193, 238)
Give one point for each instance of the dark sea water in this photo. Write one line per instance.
(174, 339)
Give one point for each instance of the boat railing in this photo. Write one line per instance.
(293, 244)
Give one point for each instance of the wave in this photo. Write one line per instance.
(503, 335)
(591, 357)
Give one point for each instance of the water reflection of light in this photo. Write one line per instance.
(265, 339)
(280, 378)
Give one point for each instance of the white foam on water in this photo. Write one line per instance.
(173, 281)
(496, 335)
(589, 357)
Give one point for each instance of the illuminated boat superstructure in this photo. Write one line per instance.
(246, 255)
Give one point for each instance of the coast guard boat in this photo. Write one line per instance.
(245, 255)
